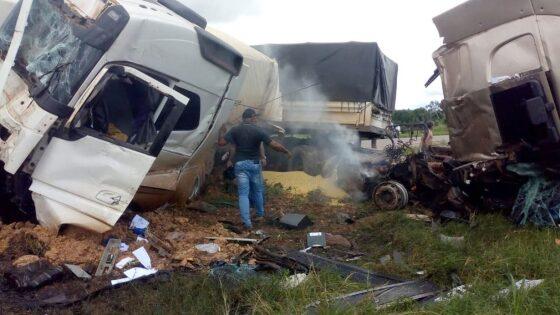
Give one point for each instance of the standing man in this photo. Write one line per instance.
(247, 138)
(427, 138)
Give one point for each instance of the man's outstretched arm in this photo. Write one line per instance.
(277, 146)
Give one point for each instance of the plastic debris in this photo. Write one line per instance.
(455, 292)
(294, 280)
(142, 255)
(521, 285)
(78, 271)
(109, 257)
(33, 275)
(209, 248)
(124, 247)
(316, 239)
(139, 225)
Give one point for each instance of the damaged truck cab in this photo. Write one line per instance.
(500, 69)
(110, 102)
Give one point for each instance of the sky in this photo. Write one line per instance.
(403, 29)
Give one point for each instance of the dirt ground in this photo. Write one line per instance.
(181, 230)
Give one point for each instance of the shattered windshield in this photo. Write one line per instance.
(50, 54)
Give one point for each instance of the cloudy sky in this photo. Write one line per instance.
(403, 29)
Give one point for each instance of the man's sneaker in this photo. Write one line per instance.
(259, 220)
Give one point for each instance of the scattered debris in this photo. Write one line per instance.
(33, 275)
(385, 295)
(163, 249)
(209, 248)
(233, 239)
(139, 225)
(109, 258)
(316, 239)
(453, 241)
(521, 285)
(455, 292)
(124, 247)
(78, 271)
(133, 274)
(294, 281)
(125, 262)
(296, 221)
(142, 255)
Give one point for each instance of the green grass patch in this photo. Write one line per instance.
(494, 255)
(440, 129)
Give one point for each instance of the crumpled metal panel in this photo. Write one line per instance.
(473, 130)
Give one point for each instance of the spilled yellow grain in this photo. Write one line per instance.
(302, 183)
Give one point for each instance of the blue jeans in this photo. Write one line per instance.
(249, 183)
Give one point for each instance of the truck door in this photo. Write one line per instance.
(94, 164)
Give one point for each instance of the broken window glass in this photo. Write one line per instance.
(190, 119)
(50, 54)
(123, 110)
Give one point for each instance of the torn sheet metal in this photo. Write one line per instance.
(473, 130)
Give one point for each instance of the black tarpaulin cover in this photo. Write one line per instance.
(338, 72)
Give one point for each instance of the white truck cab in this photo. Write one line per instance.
(104, 97)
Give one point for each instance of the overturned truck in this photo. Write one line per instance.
(108, 104)
(499, 67)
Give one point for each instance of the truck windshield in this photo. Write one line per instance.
(50, 54)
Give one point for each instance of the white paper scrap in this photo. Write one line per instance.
(119, 281)
(136, 273)
(124, 262)
(142, 255)
(133, 274)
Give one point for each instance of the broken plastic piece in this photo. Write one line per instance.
(124, 247)
(210, 248)
(522, 285)
(33, 275)
(316, 239)
(294, 281)
(78, 271)
(110, 255)
(139, 225)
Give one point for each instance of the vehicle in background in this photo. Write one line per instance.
(334, 96)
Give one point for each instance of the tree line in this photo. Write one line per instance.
(430, 112)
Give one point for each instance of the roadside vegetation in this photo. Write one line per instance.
(430, 112)
(494, 255)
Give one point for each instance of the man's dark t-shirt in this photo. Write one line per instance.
(247, 139)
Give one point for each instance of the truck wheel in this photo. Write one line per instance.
(390, 196)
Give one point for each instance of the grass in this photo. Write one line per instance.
(495, 255)
(440, 129)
